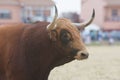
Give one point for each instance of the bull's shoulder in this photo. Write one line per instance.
(10, 33)
(9, 37)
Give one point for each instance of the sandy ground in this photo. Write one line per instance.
(102, 64)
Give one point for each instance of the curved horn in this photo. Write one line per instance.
(52, 24)
(83, 25)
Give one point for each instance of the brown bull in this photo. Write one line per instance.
(30, 51)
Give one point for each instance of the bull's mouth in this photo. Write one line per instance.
(80, 55)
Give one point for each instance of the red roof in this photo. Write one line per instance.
(28, 2)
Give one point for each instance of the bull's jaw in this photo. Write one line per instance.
(80, 55)
(64, 60)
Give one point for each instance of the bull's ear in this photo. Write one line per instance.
(53, 35)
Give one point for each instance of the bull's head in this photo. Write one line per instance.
(67, 38)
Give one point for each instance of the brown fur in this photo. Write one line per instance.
(27, 53)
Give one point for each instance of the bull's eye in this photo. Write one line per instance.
(65, 37)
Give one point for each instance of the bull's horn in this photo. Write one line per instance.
(52, 24)
(83, 25)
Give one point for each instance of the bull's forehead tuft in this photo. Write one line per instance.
(63, 19)
(65, 23)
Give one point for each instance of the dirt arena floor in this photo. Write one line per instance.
(102, 64)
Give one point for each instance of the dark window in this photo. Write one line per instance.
(114, 12)
(5, 14)
(115, 15)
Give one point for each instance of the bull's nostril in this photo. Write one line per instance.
(84, 55)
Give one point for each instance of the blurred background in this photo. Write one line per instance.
(102, 37)
(104, 30)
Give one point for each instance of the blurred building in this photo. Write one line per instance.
(112, 15)
(12, 11)
(107, 13)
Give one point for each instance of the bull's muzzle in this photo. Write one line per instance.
(81, 55)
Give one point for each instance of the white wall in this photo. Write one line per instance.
(68, 6)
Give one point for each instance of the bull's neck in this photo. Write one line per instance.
(41, 59)
(41, 54)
